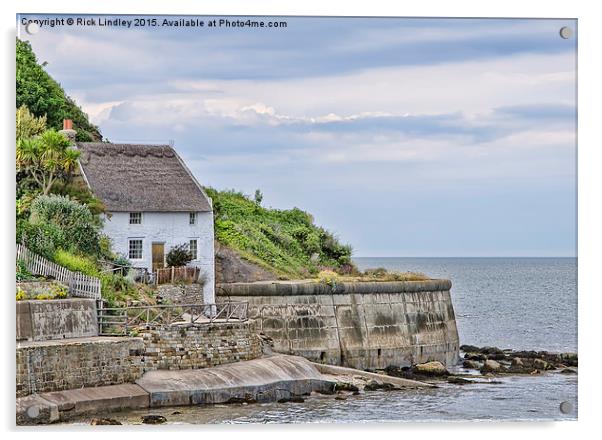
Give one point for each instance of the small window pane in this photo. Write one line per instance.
(193, 249)
(135, 218)
(193, 218)
(135, 249)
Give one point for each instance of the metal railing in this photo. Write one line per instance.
(119, 321)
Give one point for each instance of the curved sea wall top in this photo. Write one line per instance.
(366, 325)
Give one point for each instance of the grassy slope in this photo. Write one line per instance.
(285, 242)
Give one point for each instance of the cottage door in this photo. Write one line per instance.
(158, 256)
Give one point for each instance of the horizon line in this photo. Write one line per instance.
(473, 256)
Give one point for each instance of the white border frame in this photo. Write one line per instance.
(589, 183)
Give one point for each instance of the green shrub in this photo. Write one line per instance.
(178, 256)
(377, 272)
(41, 238)
(76, 229)
(104, 243)
(53, 290)
(58, 291)
(22, 273)
(75, 262)
(123, 263)
(382, 274)
(328, 277)
(116, 290)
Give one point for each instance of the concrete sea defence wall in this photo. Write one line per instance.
(56, 319)
(364, 325)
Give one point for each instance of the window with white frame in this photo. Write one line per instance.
(135, 218)
(135, 249)
(193, 247)
(192, 218)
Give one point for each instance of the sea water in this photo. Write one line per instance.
(518, 303)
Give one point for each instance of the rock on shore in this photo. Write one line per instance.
(433, 368)
(496, 360)
(491, 366)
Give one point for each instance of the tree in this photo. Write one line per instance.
(28, 125)
(46, 159)
(258, 197)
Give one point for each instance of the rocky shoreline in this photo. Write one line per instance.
(495, 360)
(479, 365)
(487, 362)
(272, 378)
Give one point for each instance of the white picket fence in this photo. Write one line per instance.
(80, 285)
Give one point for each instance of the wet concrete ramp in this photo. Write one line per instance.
(260, 380)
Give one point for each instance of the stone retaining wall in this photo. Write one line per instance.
(59, 365)
(56, 319)
(76, 363)
(365, 325)
(186, 347)
(180, 293)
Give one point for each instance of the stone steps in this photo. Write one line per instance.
(62, 405)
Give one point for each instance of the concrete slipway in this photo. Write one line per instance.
(266, 379)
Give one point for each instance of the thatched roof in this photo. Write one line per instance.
(130, 177)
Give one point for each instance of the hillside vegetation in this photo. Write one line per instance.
(285, 242)
(59, 218)
(43, 96)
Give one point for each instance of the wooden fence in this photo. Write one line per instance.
(182, 274)
(80, 285)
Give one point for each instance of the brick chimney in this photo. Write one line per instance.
(68, 130)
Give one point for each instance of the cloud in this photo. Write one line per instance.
(543, 111)
(427, 122)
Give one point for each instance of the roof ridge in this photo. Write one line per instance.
(133, 177)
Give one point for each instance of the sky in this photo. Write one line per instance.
(405, 137)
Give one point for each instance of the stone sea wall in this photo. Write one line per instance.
(47, 361)
(365, 325)
(77, 363)
(181, 348)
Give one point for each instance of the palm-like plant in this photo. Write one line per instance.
(45, 158)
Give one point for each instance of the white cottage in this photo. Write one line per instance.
(153, 204)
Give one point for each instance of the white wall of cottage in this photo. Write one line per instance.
(171, 228)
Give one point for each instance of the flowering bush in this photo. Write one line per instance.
(328, 277)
